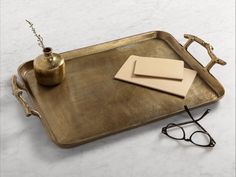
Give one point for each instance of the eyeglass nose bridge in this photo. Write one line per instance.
(188, 139)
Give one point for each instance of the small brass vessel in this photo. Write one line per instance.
(49, 68)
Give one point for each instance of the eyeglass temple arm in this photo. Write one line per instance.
(183, 123)
(188, 122)
(190, 115)
(196, 121)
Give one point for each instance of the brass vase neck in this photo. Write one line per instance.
(48, 54)
(47, 51)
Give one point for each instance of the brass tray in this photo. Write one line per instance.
(90, 104)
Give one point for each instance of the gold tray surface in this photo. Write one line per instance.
(90, 104)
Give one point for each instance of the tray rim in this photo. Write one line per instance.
(167, 37)
(24, 68)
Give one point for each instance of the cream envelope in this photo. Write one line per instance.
(180, 88)
(159, 67)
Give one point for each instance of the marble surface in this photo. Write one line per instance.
(65, 25)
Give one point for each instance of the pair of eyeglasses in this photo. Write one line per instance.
(200, 138)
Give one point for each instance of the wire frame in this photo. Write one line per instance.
(200, 138)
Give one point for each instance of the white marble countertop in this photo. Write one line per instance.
(26, 149)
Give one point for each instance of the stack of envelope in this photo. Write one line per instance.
(167, 75)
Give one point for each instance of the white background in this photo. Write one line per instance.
(142, 152)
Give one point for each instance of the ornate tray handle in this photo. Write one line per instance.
(209, 48)
(17, 90)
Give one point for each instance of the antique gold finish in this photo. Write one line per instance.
(90, 104)
(17, 90)
(214, 58)
(49, 68)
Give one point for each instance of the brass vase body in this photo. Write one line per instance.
(49, 68)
